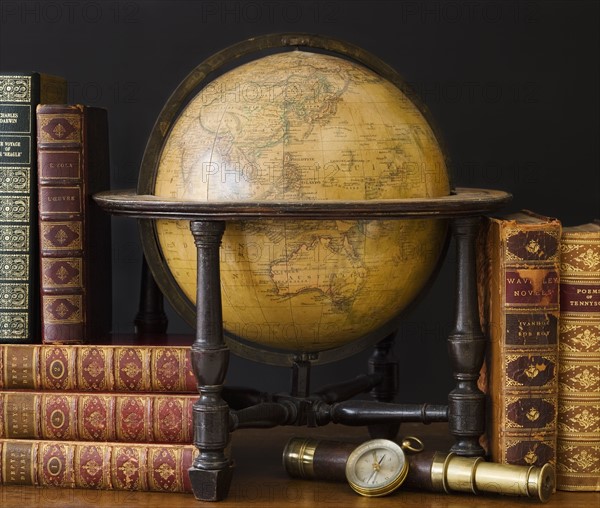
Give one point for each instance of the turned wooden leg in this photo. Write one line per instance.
(211, 472)
(466, 346)
(383, 363)
(151, 317)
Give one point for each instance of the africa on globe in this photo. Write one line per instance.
(303, 126)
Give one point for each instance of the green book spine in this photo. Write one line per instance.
(19, 280)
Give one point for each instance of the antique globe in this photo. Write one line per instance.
(300, 125)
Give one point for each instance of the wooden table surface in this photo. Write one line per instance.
(260, 480)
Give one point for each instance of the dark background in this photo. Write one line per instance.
(512, 86)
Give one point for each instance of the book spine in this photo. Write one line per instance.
(75, 239)
(19, 281)
(523, 329)
(87, 368)
(107, 466)
(578, 451)
(19, 95)
(96, 417)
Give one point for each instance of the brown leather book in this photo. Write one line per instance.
(578, 449)
(75, 244)
(96, 465)
(74, 416)
(518, 259)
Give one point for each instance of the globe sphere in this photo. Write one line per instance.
(303, 126)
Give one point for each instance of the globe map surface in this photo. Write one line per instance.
(303, 126)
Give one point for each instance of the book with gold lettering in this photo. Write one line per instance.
(518, 260)
(578, 448)
(75, 242)
(96, 465)
(19, 281)
(78, 416)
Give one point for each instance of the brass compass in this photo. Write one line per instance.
(379, 466)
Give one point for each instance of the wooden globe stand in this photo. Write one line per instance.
(214, 419)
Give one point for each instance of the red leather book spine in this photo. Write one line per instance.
(107, 466)
(87, 368)
(74, 235)
(96, 417)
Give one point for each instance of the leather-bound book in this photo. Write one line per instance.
(91, 368)
(75, 242)
(77, 416)
(578, 452)
(518, 259)
(19, 282)
(96, 465)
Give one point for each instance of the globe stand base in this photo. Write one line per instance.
(214, 419)
(465, 345)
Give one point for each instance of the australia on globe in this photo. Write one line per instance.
(304, 126)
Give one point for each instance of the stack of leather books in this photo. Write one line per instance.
(74, 414)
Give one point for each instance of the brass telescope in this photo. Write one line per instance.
(429, 470)
(451, 473)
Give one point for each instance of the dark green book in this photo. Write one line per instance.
(20, 93)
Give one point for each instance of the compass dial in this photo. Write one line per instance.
(376, 468)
